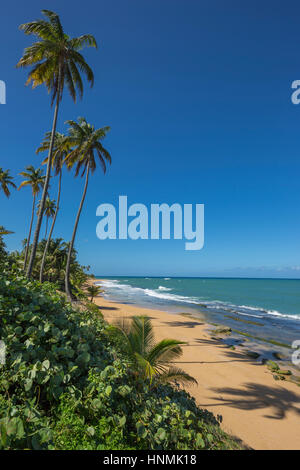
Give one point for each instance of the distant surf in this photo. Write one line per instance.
(273, 302)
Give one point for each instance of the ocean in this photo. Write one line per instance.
(268, 308)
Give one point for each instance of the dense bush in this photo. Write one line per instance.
(66, 385)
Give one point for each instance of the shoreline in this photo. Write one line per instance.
(262, 323)
(261, 411)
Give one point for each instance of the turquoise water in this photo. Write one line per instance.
(272, 303)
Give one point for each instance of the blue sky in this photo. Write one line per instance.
(197, 94)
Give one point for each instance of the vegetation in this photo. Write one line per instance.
(151, 361)
(55, 266)
(93, 291)
(6, 181)
(71, 381)
(87, 144)
(67, 385)
(61, 147)
(35, 179)
(55, 60)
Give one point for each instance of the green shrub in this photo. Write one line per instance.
(67, 385)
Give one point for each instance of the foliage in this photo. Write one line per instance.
(34, 178)
(6, 181)
(3, 252)
(152, 361)
(65, 386)
(55, 265)
(93, 291)
(55, 57)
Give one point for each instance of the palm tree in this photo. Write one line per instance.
(61, 147)
(6, 181)
(49, 211)
(93, 291)
(86, 141)
(35, 179)
(151, 361)
(3, 231)
(55, 60)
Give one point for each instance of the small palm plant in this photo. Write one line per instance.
(6, 181)
(93, 291)
(151, 361)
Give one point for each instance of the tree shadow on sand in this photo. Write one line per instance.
(257, 396)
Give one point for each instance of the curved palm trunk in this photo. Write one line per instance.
(45, 188)
(67, 275)
(46, 229)
(51, 229)
(29, 234)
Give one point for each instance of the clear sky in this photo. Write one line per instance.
(197, 94)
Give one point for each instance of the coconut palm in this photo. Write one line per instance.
(93, 291)
(35, 179)
(6, 181)
(87, 150)
(151, 361)
(61, 147)
(49, 211)
(55, 61)
(3, 231)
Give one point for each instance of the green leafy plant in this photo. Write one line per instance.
(153, 361)
(93, 291)
(67, 385)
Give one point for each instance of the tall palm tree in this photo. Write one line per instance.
(33, 177)
(5, 181)
(86, 141)
(49, 211)
(55, 61)
(61, 147)
(151, 361)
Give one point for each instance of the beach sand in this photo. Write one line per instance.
(262, 412)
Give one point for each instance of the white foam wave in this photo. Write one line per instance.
(114, 285)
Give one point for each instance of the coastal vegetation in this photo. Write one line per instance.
(66, 383)
(55, 61)
(151, 361)
(69, 380)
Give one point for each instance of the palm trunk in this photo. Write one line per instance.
(29, 234)
(45, 188)
(46, 229)
(67, 275)
(51, 229)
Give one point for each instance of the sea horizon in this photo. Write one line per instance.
(251, 305)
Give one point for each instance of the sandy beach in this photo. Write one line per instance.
(262, 412)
